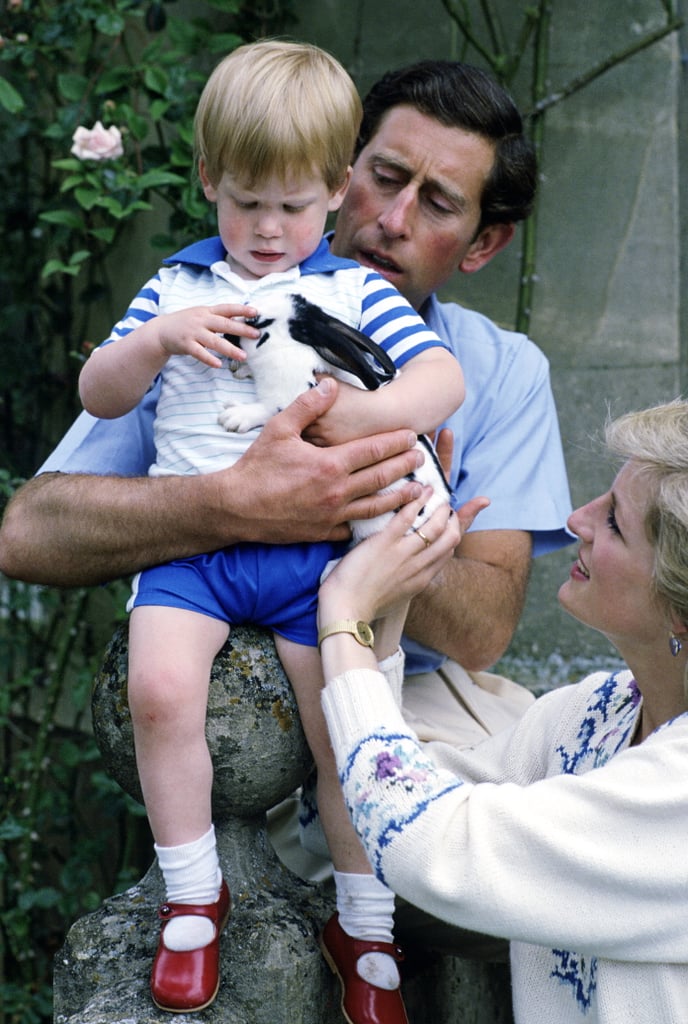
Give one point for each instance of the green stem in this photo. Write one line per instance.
(580, 81)
(72, 615)
(462, 19)
(529, 240)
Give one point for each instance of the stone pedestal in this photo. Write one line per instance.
(271, 966)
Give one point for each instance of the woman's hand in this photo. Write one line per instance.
(385, 571)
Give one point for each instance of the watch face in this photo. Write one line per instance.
(365, 632)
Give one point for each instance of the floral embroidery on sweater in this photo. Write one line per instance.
(394, 762)
(606, 728)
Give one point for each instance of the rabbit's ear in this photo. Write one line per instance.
(339, 344)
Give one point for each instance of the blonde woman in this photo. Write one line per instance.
(567, 834)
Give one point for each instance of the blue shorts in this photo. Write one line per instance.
(264, 584)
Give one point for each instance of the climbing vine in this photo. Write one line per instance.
(481, 27)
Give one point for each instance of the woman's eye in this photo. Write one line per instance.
(611, 521)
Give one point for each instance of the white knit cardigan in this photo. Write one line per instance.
(555, 834)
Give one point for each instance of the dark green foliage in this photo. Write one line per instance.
(69, 836)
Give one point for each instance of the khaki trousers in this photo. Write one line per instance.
(456, 707)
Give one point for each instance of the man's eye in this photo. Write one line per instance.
(439, 204)
(293, 209)
(384, 178)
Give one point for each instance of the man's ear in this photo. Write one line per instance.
(209, 190)
(489, 242)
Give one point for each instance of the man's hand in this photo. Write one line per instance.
(76, 530)
(295, 491)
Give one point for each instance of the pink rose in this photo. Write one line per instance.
(97, 143)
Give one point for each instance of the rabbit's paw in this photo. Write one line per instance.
(239, 419)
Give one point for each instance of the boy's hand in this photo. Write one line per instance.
(201, 332)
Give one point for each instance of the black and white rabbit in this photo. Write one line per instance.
(298, 341)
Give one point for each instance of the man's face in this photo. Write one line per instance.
(413, 206)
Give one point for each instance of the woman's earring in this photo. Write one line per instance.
(675, 645)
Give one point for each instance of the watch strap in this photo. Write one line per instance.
(360, 630)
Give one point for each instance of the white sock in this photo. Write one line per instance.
(366, 911)
(192, 875)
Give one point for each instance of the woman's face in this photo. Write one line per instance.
(609, 586)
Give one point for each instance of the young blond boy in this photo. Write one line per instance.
(275, 131)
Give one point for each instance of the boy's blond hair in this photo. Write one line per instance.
(277, 108)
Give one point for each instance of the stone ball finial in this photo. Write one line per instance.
(258, 748)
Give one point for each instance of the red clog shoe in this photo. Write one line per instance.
(189, 980)
(362, 1003)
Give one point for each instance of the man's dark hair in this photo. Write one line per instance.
(462, 96)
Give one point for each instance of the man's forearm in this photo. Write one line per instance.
(470, 610)
(75, 530)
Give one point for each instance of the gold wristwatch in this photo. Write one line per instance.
(360, 630)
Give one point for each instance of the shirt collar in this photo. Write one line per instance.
(210, 250)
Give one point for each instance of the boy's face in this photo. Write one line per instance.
(270, 227)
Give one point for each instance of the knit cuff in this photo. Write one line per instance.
(355, 704)
(392, 669)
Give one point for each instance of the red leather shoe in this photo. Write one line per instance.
(189, 980)
(362, 1003)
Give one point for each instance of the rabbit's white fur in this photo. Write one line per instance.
(282, 369)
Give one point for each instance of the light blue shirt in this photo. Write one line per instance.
(507, 444)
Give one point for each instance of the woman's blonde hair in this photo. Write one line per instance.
(277, 108)
(657, 440)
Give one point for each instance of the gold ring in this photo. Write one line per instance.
(426, 540)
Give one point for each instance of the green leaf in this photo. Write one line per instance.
(72, 268)
(119, 212)
(57, 131)
(109, 203)
(138, 126)
(224, 42)
(114, 79)
(42, 898)
(105, 234)
(155, 178)
(10, 99)
(155, 79)
(72, 87)
(71, 182)
(70, 163)
(87, 198)
(79, 257)
(65, 217)
(110, 24)
(158, 109)
(10, 828)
